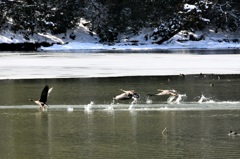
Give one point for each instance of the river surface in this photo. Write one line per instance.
(83, 121)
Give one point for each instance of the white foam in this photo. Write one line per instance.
(88, 107)
(70, 109)
(184, 106)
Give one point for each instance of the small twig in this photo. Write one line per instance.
(164, 132)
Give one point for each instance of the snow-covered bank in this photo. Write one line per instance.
(182, 40)
(66, 65)
(83, 41)
(81, 47)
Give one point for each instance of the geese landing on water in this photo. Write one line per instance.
(42, 102)
(129, 94)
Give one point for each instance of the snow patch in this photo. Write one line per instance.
(51, 37)
(189, 7)
(81, 33)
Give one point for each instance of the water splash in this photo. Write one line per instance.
(110, 107)
(149, 101)
(88, 107)
(170, 99)
(113, 101)
(70, 109)
(180, 98)
(176, 99)
(135, 100)
(131, 107)
(44, 109)
(203, 99)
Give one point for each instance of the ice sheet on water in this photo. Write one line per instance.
(18, 66)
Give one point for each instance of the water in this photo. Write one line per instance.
(121, 133)
(102, 90)
(82, 120)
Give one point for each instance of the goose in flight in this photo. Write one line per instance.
(42, 102)
(165, 92)
(127, 94)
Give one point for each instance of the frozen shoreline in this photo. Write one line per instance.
(84, 46)
(73, 65)
(86, 42)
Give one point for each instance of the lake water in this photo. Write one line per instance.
(57, 133)
(197, 124)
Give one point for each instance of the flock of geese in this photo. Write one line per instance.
(125, 95)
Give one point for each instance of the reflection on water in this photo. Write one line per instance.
(57, 133)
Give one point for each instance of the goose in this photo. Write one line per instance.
(42, 102)
(232, 133)
(127, 94)
(165, 92)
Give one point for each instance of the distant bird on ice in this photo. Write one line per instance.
(42, 102)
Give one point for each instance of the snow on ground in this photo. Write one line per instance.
(72, 65)
(211, 40)
(176, 45)
(81, 33)
(84, 41)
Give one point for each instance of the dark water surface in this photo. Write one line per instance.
(195, 130)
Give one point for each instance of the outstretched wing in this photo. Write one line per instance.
(123, 96)
(44, 94)
(50, 90)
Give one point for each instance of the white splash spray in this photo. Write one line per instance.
(149, 101)
(88, 107)
(205, 99)
(180, 98)
(110, 107)
(70, 109)
(176, 99)
(135, 100)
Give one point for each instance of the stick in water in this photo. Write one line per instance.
(164, 132)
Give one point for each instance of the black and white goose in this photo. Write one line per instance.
(42, 102)
(232, 133)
